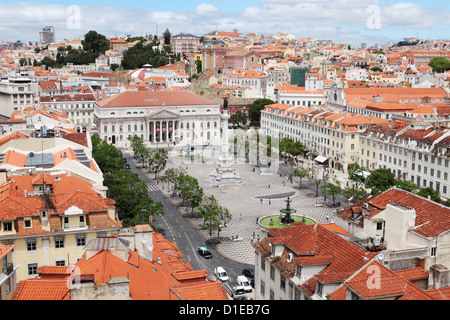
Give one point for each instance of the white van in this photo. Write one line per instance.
(243, 281)
(221, 274)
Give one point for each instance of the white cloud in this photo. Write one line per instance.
(206, 9)
(338, 20)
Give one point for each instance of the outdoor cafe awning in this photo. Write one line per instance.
(321, 159)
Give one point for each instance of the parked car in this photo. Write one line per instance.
(127, 166)
(243, 282)
(249, 273)
(221, 274)
(205, 253)
(235, 292)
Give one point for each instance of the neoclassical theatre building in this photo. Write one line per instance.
(169, 117)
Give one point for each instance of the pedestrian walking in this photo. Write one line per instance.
(269, 201)
(251, 238)
(261, 200)
(240, 216)
(328, 217)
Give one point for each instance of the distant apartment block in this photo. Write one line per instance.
(47, 35)
(184, 43)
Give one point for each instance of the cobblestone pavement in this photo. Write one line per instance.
(244, 203)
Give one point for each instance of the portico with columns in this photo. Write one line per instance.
(163, 126)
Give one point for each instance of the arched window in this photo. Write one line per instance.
(208, 125)
(135, 127)
(142, 127)
(129, 127)
(105, 129)
(113, 128)
(181, 125)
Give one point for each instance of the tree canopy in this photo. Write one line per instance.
(95, 43)
(255, 109)
(288, 145)
(439, 64)
(381, 180)
(141, 54)
(133, 204)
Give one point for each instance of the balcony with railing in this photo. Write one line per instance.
(8, 269)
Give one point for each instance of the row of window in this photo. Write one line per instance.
(113, 128)
(8, 225)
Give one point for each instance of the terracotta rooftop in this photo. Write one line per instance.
(152, 99)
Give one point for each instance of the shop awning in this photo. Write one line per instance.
(320, 159)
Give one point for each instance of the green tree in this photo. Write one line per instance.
(332, 188)
(406, 185)
(134, 206)
(429, 193)
(95, 43)
(355, 191)
(114, 66)
(288, 146)
(137, 145)
(48, 62)
(315, 179)
(37, 49)
(198, 65)
(108, 157)
(254, 111)
(171, 175)
(380, 180)
(356, 173)
(158, 160)
(301, 173)
(214, 215)
(239, 118)
(439, 64)
(167, 35)
(207, 208)
(190, 190)
(140, 54)
(223, 216)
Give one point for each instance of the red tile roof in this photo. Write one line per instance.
(40, 289)
(153, 98)
(315, 244)
(375, 281)
(432, 218)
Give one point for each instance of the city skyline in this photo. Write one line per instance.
(343, 21)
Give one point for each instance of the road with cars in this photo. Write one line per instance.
(177, 229)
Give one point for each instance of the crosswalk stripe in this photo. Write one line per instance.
(153, 187)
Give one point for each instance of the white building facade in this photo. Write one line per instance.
(169, 117)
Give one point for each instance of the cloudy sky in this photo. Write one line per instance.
(343, 21)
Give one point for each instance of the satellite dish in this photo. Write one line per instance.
(31, 154)
(380, 257)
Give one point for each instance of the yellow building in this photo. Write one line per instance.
(7, 272)
(50, 218)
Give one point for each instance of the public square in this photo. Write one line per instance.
(244, 203)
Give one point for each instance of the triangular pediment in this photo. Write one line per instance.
(163, 114)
